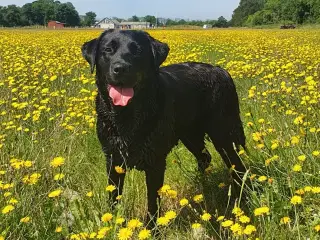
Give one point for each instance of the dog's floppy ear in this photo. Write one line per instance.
(89, 50)
(160, 51)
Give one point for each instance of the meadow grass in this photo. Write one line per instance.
(52, 170)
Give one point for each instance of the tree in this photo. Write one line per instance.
(245, 9)
(134, 19)
(221, 23)
(90, 19)
(67, 14)
(150, 19)
(27, 14)
(11, 16)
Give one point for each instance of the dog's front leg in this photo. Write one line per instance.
(115, 178)
(155, 178)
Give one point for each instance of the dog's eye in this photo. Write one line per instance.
(108, 50)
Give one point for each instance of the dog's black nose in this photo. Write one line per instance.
(119, 68)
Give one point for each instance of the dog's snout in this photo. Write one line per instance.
(119, 68)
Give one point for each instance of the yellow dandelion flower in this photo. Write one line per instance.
(170, 215)
(249, 229)
(237, 211)
(25, 220)
(120, 220)
(299, 192)
(285, 220)
(89, 194)
(206, 216)
(93, 235)
(274, 146)
(7, 194)
(58, 176)
(106, 217)
(297, 168)
(57, 162)
(162, 221)
(13, 201)
(184, 202)
(27, 163)
(244, 219)
(296, 200)
(164, 189)
(315, 190)
(134, 223)
(172, 193)
(220, 218)
(262, 178)
(316, 153)
(295, 140)
(110, 188)
(144, 234)
(302, 158)
(196, 225)
(317, 228)
(55, 193)
(227, 223)
(7, 209)
(58, 229)
(103, 231)
(261, 211)
(124, 233)
(198, 198)
(236, 229)
(119, 197)
(120, 170)
(307, 189)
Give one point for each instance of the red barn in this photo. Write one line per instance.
(55, 25)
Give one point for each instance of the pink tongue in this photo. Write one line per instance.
(120, 96)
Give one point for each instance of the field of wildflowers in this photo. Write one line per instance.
(52, 171)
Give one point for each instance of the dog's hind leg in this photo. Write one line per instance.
(194, 142)
(224, 145)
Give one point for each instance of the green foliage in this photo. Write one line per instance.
(245, 9)
(221, 23)
(39, 12)
(89, 19)
(260, 12)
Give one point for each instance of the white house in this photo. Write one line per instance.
(108, 23)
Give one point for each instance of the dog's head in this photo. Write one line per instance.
(123, 59)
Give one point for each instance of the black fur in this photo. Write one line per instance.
(181, 101)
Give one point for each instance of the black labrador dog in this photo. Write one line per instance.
(144, 110)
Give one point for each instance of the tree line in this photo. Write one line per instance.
(41, 11)
(259, 12)
(220, 22)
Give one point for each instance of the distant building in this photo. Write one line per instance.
(206, 26)
(55, 25)
(135, 25)
(108, 23)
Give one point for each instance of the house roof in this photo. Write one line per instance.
(109, 19)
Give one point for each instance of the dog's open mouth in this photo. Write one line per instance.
(120, 96)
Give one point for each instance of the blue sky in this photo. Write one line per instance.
(195, 9)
